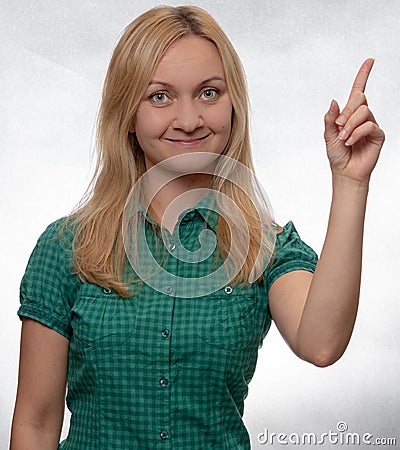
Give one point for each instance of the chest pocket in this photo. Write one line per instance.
(227, 318)
(101, 318)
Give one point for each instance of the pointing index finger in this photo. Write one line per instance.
(360, 81)
(356, 97)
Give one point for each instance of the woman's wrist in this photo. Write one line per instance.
(344, 184)
(349, 201)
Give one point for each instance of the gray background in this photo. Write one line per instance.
(298, 56)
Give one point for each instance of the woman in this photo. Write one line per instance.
(124, 299)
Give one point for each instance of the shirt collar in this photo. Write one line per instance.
(206, 207)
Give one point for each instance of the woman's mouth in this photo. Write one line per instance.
(188, 142)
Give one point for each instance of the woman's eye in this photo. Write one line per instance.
(159, 97)
(210, 94)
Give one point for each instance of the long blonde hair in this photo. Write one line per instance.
(98, 251)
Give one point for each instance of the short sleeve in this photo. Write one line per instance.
(291, 253)
(48, 285)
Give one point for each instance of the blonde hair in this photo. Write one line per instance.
(98, 251)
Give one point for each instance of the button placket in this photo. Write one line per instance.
(162, 382)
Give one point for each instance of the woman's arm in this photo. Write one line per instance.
(39, 407)
(316, 314)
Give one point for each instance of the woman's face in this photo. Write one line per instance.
(186, 107)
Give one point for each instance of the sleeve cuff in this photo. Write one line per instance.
(37, 313)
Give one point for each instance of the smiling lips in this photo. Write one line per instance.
(188, 142)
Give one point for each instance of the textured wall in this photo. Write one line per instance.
(298, 55)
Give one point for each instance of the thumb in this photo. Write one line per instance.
(331, 129)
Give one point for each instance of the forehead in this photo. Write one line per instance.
(190, 56)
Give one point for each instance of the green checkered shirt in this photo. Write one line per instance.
(158, 370)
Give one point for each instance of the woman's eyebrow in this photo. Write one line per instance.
(169, 85)
(213, 78)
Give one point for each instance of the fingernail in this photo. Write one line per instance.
(331, 106)
(342, 134)
(349, 142)
(341, 120)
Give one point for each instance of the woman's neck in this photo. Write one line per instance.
(176, 196)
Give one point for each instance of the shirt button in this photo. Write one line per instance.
(228, 290)
(163, 382)
(164, 435)
(169, 289)
(107, 290)
(172, 247)
(165, 333)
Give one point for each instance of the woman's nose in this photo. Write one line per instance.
(188, 116)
